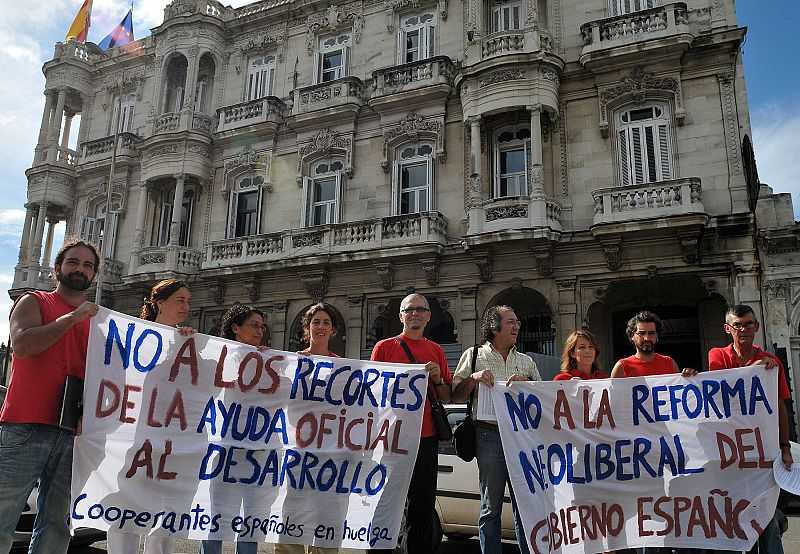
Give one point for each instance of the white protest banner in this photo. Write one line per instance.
(209, 438)
(659, 461)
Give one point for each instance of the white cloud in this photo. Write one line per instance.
(775, 128)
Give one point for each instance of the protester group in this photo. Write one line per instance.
(49, 333)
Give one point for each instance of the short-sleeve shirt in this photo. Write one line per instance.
(660, 365)
(490, 358)
(424, 351)
(575, 372)
(725, 358)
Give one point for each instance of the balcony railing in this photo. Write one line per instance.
(169, 258)
(654, 200)
(506, 42)
(347, 90)
(370, 234)
(101, 148)
(667, 20)
(414, 75)
(202, 123)
(523, 213)
(263, 110)
(167, 122)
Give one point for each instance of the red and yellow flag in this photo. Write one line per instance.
(80, 27)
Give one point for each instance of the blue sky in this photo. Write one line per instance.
(29, 31)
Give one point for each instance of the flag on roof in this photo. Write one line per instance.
(80, 27)
(122, 33)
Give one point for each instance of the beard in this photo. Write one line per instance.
(75, 281)
(647, 348)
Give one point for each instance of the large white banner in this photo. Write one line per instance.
(208, 438)
(658, 461)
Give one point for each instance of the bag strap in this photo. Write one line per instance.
(471, 371)
(413, 360)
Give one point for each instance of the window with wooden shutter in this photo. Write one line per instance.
(643, 145)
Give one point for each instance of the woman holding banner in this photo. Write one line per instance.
(243, 324)
(579, 359)
(167, 304)
(319, 325)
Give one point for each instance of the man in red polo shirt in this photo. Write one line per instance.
(741, 324)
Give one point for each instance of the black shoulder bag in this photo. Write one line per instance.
(464, 430)
(443, 430)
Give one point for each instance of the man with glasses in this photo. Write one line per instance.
(497, 360)
(741, 324)
(411, 346)
(644, 329)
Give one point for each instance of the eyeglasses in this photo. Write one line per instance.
(743, 326)
(646, 333)
(415, 310)
(257, 327)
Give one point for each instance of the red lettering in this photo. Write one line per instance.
(127, 404)
(106, 385)
(183, 358)
(561, 409)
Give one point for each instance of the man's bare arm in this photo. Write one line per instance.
(618, 371)
(29, 337)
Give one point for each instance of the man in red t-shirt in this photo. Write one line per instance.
(415, 313)
(742, 325)
(49, 333)
(644, 329)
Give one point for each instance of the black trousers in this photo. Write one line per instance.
(421, 499)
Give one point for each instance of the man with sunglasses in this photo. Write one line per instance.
(415, 313)
(644, 329)
(742, 325)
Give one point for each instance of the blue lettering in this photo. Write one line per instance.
(640, 394)
(152, 363)
(114, 337)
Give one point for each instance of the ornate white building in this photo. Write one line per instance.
(576, 159)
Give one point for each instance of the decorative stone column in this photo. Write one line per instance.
(177, 208)
(538, 212)
(468, 316)
(22, 260)
(55, 127)
(355, 326)
(67, 128)
(191, 80)
(47, 115)
(48, 244)
(138, 237)
(36, 251)
(567, 309)
(475, 180)
(746, 290)
(279, 325)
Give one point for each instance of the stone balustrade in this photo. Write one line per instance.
(414, 75)
(167, 122)
(67, 157)
(670, 19)
(651, 201)
(101, 148)
(169, 258)
(553, 208)
(202, 123)
(347, 90)
(370, 234)
(113, 270)
(263, 110)
(508, 42)
(521, 213)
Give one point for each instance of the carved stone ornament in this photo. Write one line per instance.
(689, 249)
(355, 299)
(506, 212)
(248, 158)
(501, 76)
(217, 290)
(170, 148)
(410, 129)
(613, 256)
(652, 272)
(324, 143)
(544, 259)
(385, 272)
(777, 288)
(431, 268)
(122, 80)
(638, 87)
(515, 283)
(566, 284)
(306, 239)
(180, 7)
(712, 286)
(332, 19)
(253, 288)
(485, 263)
(261, 40)
(391, 7)
(315, 283)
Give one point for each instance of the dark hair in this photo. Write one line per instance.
(569, 347)
(740, 310)
(312, 311)
(161, 291)
(237, 315)
(491, 321)
(75, 242)
(644, 317)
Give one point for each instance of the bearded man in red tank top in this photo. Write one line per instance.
(49, 333)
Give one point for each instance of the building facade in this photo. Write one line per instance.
(578, 160)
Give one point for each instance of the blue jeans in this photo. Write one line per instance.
(493, 477)
(215, 547)
(31, 453)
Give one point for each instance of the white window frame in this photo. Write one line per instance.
(321, 171)
(200, 92)
(506, 15)
(422, 24)
(92, 227)
(622, 7)
(515, 144)
(330, 45)
(245, 184)
(165, 218)
(260, 77)
(423, 153)
(128, 106)
(644, 147)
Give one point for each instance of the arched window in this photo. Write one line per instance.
(413, 178)
(260, 77)
(93, 227)
(507, 15)
(176, 84)
(165, 217)
(126, 109)
(643, 145)
(205, 80)
(621, 7)
(322, 192)
(333, 58)
(244, 212)
(417, 36)
(512, 154)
